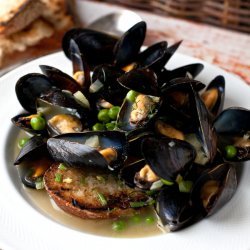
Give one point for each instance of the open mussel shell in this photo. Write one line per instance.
(81, 70)
(22, 121)
(153, 57)
(233, 129)
(29, 87)
(189, 71)
(97, 47)
(233, 121)
(204, 127)
(84, 149)
(214, 95)
(141, 80)
(214, 188)
(60, 79)
(128, 46)
(137, 115)
(174, 209)
(33, 161)
(167, 157)
(61, 119)
(110, 90)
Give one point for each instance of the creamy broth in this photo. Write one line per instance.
(135, 226)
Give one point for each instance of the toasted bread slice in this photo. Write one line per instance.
(90, 194)
(18, 14)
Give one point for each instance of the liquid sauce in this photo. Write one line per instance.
(135, 226)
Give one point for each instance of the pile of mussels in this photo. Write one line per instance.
(172, 139)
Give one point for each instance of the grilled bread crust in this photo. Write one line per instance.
(78, 193)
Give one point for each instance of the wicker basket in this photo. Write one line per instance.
(233, 14)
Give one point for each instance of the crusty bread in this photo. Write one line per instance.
(25, 23)
(77, 193)
(18, 14)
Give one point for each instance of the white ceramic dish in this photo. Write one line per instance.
(23, 226)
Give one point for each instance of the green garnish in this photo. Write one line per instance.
(98, 127)
(113, 112)
(136, 219)
(103, 115)
(118, 225)
(166, 182)
(102, 199)
(110, 125)
(100, 178)
(58, 177)
(149, 219)
(231, 151)
(39, 183)
(22, 142)
(62, 166)
(185, 186)
(37, 122)
(135, 204)
(131, 95)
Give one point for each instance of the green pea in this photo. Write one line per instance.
(22, 142)
(150, 219)
(131, 95)
(113, 112)
(110, 126)
(103, 115)
(98, 127)
(118, 225)
(231, 151)
(37, 122)
(136, 219)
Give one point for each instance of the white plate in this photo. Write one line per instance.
(22, 226)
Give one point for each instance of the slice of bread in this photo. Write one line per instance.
(18, 14)
(26, 23)
(90, 194)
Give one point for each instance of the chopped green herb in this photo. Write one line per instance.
(118, 225)
(58, 177)
(100, 178)
(135, 204)
(102, 199)
(62, 166)
(39, 183)
(185, 186)
(179, 178)
(166, 182)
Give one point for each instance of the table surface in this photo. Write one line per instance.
(228, 49)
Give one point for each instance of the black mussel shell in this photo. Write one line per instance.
(128, 46)
(204, 128)
(153, 57)
(77, 149)
(214, 188)
(167, 157)
(97, 47)
(29, 87)
(233, 121)
(35, 145)
(174, 209)
(22, 121)
(60, 79)
(80, 65)
(143, 81)
(216, 88)
(111, 90)
(191, 70)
